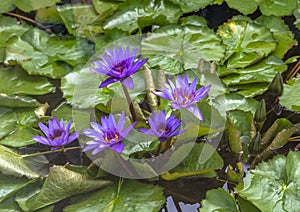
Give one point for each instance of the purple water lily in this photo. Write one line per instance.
(119, 65)
(57, 135)
(108, 134)
(162, 127)
(184, 95)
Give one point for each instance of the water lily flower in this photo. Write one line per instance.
(119, 65)
(162, 127)
(108, 134)
(184, 95)
(57, 135)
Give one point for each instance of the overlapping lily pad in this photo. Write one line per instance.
(274, 185)
(66, 183)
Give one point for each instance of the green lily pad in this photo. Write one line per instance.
(7, 6)
(80, 20)
(177, 47)
(12, 163)
(8, 119)
(218, 200)
(105, 8)
(81, 89)
(281, 33)
(29, 5)
(17, 129)
(253, 80)
(10, 185)
(17, 101)
(243, 5)
(297, 16)
(132, 15)
(246, 41)
(235, 101)
(193, 5)
(202, 160)
(291, 97)
(274, 185)
(243, 122)
(16, 81)
(47, 55)
(130, 196)
(61, 183)
(277, 7)
(9, 205)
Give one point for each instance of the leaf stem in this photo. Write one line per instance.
(29, 20)
(131, 108)
(52, 151)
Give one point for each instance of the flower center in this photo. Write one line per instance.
(56, 134)
(108, 138)
(182, 96)
(120, 67)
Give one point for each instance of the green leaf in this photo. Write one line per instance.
(243, 122)
(132, 15)
(81, 89)
(192, 5)
(132, 196)
(17, 101)
(9, 28)
(7, 6)
(80, 20)
(202, 160)
(253, 80)
(291, 97)
(105, 8)
(10, 185)
(41, 54)
(297, 16)
(235, 101)
(277, 7)
(243, 5)
(275, 137)
(48, 15)
(281, 33)
(29, 5)
(19, 137)
(177, 47)
(218, 200)
(274, 185)
(277, 126)
(8, 119)
(12, 163)
(62, 183)
(246, 42)
(10, 205)
(16, 81)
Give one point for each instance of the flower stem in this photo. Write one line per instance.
(131, 108)
(49, 152)
(158, 148)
